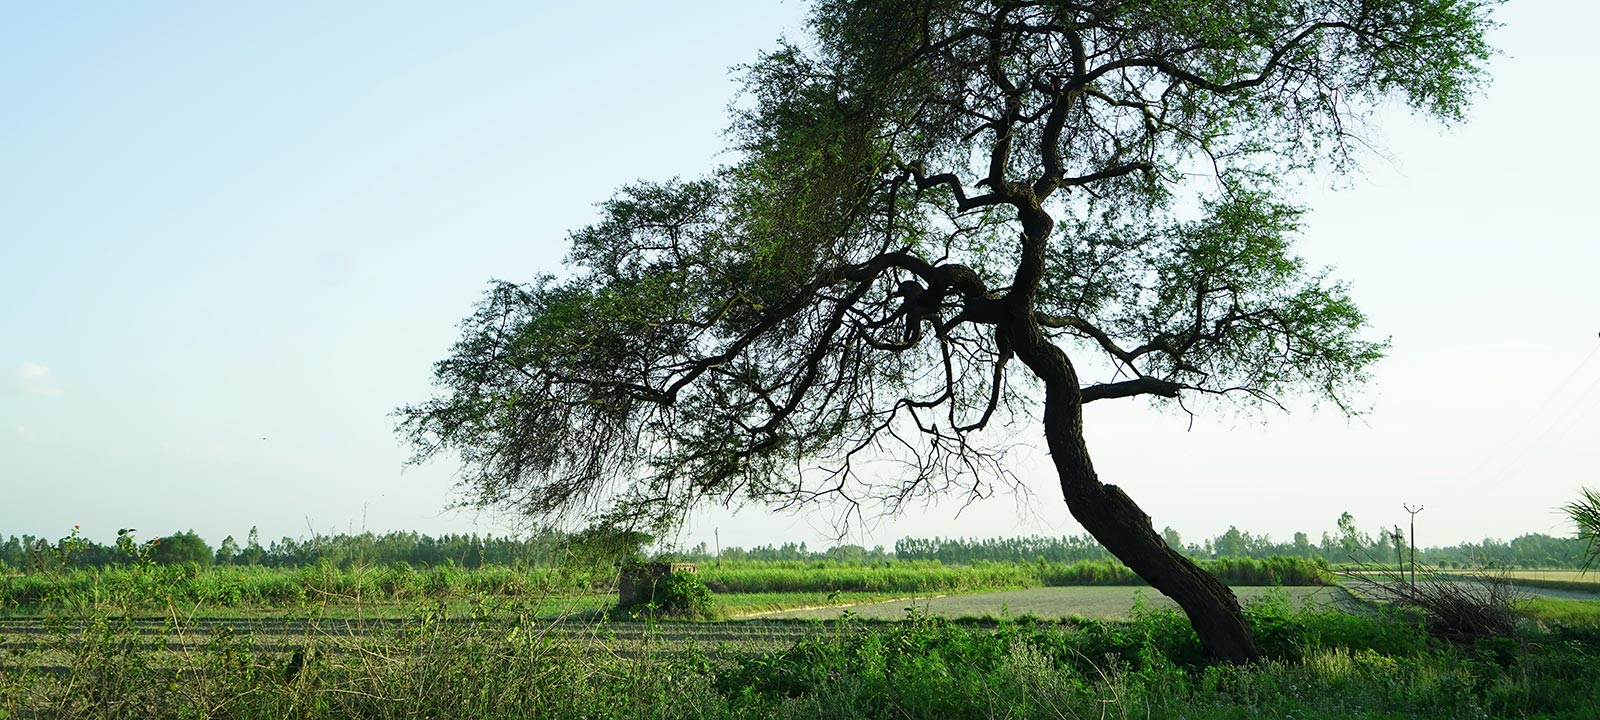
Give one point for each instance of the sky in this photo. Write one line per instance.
(234, 238)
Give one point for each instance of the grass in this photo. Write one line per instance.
(1556, 574)
(925, 577)
(1099, 603)
(388, 643)
(754, 604)
(381, 643)
(1562, 611)
(1554, 583)
(1569, 583)
(497, 664)
(252, 586)
(135, 587)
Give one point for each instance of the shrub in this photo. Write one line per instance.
(1462, 609)
(399, 580)
(680, 595)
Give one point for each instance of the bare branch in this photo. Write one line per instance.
(1129, 388)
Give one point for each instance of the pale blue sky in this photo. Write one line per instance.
(233, 238)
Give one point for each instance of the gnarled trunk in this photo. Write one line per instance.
(1116, 521)
(1112, 518)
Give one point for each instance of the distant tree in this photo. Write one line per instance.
(253, 553)
(1328, 546)
(179, 548)
(927, 195)
(1172, 538)
(1230, 543)
(847, 553)
(1351, 539)
(604, 544)
(1302, 545)
(228, 551)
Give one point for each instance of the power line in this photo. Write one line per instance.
(1477, 473)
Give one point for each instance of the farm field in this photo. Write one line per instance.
(51, 647)
(1327, 664)
(394, 641)
(1548, 584)
(46, 640)
(322, 643)
(1091, 602)
(1568, 581)
(1557, 589)
(1560, 575)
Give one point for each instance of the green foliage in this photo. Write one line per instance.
(344, 550)
(142, 587)
(153, 586)
(180, 548)
(677, 595)
(605, 545)
(1591, 585)
(824, 576)
(1326, 665)
(913, 577)
(497, 662)
(1561, 611)
(1585, 514)
(1000, 172)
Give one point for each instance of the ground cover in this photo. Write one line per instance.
(1562, 611)
(472, 652)
(1091, 602)
(1572, 580)
(154, 586)
(1359, 583)
(1556, 574)
(746, 605)
(368, 593)
(1326, 663)
(921, 576)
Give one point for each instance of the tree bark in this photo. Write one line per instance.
(1114, 519)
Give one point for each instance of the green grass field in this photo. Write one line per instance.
(1560, 575)
(447, 643)
(1569, 580)
(1098, 603)
(1326, 663)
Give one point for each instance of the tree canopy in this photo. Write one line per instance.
(928, 194)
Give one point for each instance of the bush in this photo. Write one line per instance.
(180, 548)
(399, 580)
(680, 595)
(1458, 608)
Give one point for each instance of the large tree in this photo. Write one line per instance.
(946, 216)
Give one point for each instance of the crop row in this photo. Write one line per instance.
(929, 577)
(191, 585)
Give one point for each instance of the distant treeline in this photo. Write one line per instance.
(1531, 550)
(416, 549)
(549, 547)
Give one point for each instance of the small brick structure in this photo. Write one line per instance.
(638, 582)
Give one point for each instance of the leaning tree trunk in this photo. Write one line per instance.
(1113, 518)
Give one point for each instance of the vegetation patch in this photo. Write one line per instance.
(1323, 663)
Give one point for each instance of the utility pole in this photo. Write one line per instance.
(1399, 554)
(1413, 542)
(716, 533)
